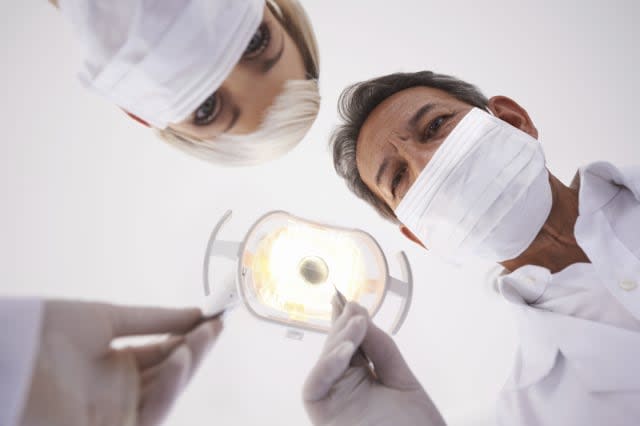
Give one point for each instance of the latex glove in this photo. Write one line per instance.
(78, 379)
(340, 390)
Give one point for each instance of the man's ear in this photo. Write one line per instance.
(410, 235)
(510, 111)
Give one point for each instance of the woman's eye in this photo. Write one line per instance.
(259, 42)
(207, 112)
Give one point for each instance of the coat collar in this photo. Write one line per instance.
(600, 182)
(601, 355)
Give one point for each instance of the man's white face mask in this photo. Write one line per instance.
(484, 193)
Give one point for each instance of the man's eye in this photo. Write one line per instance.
(434, 126)
(397, 179)
(259, 42)
(208, 111)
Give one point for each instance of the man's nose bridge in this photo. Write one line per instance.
(241, 89)
(408, 149)
(399, 141)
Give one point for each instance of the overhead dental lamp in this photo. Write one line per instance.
(287, 267)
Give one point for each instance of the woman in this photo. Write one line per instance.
(229, 81)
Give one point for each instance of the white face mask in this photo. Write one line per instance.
(484, 193)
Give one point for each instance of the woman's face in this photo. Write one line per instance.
(239, 105)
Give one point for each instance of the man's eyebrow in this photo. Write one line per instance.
(234, 119)
(381, 170)
(270, 63)
(420, 113)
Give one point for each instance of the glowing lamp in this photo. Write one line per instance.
(287, 268)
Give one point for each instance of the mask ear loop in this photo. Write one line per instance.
(136, 118)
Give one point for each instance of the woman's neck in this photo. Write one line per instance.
(555, 247)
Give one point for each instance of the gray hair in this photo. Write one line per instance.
(359, 100)
(285, 124)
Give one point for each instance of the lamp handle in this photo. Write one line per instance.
(224, 299)
(404, 289)
(228, 249)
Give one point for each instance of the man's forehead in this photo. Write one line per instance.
(393, 113)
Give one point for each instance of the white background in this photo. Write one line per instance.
(94, 207)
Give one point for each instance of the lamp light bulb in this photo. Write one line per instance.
(313, 269)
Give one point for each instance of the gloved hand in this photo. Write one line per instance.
(79, 379)
(340, 390)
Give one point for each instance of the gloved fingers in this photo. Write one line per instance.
(351, 310)
(332, 363)
(359, 360)
(340, 317)
(390, 366)
(336, 310)
(202, 339)
(327, 372)
(149, 355)
(135, 320)
(198, 342)
(161, 385)
(354, 331)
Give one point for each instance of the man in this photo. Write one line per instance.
(463, 175)
(58, 366)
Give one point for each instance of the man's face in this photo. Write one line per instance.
(400, 137)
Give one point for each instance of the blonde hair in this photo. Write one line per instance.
(288, 119)
(295, 20)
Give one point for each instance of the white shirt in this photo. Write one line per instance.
(20, 322)
(578, 362)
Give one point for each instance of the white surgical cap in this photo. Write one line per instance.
(160, 59)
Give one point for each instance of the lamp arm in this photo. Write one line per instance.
(404, 289)
(215, 247)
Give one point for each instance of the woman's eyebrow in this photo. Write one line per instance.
(270, 63)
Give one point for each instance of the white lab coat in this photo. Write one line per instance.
(20, 322)
(577, 363)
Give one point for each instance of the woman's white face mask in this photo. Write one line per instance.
(484, 193)
(204, 67)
